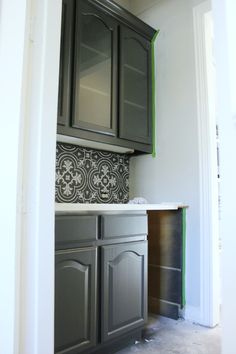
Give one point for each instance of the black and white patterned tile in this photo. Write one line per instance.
(86, 175)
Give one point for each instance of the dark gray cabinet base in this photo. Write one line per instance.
(100, 283)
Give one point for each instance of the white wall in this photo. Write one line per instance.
(11, 71)
(174, 174)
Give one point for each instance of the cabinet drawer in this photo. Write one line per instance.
(115, 226)
(70, 231)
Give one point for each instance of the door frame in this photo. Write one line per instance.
(33, 307)
(30, 45)
(225, 53)
(209, 218)
(40, 96)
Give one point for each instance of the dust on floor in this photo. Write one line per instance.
(165, 336)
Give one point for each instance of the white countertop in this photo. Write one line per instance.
(76, 207)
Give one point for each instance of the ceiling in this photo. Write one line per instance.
(137, 6)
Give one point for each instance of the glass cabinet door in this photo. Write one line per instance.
(66, 56)
(135, 87)
(95, 70)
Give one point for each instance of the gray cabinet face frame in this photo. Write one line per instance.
(83, 10)
(66, 61)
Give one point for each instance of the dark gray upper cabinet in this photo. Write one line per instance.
(135, 87)
(66, 61)
(75, 300)
(124, 288)
(105, 75)
(94, 107)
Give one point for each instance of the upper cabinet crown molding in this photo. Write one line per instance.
(126, 17)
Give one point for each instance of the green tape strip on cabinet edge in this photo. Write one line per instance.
(153, 95)
(184, 256)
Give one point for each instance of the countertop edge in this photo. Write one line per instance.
(76, 208)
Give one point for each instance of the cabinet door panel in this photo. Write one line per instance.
(135, 87)
(95, 88)
(75, 300)
(124, 288)
(66, 55)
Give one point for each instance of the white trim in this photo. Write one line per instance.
(209, 252)
(40, 86)
(225, 53)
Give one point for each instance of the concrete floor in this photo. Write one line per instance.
(166, 336)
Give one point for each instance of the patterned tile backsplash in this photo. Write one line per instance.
(90, 176)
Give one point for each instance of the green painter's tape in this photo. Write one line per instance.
(184, 256)
(153, 96)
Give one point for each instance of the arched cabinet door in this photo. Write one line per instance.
(94, 106)
(124, 288)
(75, 300)
(135, 87)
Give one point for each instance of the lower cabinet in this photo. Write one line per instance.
(75, 300)
(101, 285)
(124, 288)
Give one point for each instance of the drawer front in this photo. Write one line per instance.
(115, 226)
(71, 231)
